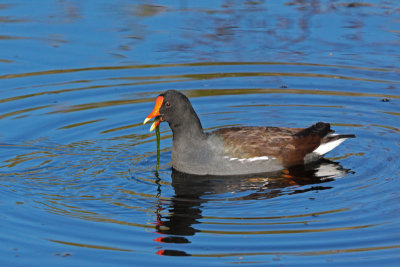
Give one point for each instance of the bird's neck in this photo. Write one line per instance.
(187, 129)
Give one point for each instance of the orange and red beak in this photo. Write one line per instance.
(155, 113)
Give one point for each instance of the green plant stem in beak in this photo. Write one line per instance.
(158, 149)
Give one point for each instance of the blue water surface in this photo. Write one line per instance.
(78, 180)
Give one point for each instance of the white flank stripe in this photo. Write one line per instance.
(325, 148)
(258, 158)
(250, 159)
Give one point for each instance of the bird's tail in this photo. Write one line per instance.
(331, 141)
(320, 128)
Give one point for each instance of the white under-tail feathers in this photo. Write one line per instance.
(329, 145)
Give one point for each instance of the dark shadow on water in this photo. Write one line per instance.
(192, 191)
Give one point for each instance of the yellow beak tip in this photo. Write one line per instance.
(153, 126)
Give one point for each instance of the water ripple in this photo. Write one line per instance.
(75, 153)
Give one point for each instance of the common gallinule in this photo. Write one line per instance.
(237, 150)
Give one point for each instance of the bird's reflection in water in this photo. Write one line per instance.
(191, 191)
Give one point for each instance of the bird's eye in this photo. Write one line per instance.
(167, 104)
